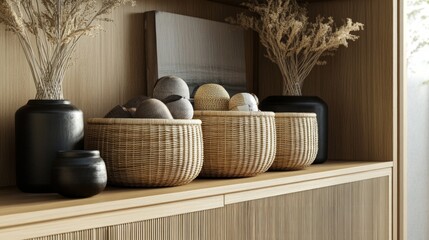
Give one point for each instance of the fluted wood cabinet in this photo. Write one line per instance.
(357, 194)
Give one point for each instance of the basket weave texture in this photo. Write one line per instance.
(211, 97)
(147, 152)
(297, 141)
(237, 144)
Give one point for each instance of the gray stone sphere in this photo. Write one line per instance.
(118, 112)
(170, 85)
(135, 101)
(181, 109)
(153, 108)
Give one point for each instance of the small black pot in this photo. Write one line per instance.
(304, 104)
(79, 173)
(43, 127)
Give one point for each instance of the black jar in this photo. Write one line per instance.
(79, 173)
(42, 128)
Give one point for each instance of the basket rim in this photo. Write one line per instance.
(198, 113)
(294, 114)
(140, 121)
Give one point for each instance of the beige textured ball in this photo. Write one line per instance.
(211, 97)
(243, 102)
(181, 109)
(170, 85)
(153, 108)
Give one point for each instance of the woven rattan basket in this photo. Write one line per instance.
(237, 144)
(147, 152)
(296, 141)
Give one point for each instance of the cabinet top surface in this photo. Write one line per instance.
(13, 202)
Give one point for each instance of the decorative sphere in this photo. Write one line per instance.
(153, 108)
(181, 108)
(211, 97)
(243, 102)
(256, 98)
(135, 101)
(170, 85)
(118, 112)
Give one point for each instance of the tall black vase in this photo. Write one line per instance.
(303, 104)
(43, 127)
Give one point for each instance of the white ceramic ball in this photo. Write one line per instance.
(243, 102)
(211, 97)
(170, 85)
(153, 108)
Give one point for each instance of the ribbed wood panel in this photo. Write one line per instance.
(209, 224)
(107, 70)
(354, 211)
(349, 211)
(358, 83)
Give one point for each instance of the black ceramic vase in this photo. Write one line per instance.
(79, 174)
(303, 104)
(43, 127)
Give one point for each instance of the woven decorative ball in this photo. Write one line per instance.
(243, 102)
(237, 144)
(296, 141)
(211, 97)
(170, 85)
(147, 152)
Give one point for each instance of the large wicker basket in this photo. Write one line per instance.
(296, 141)
(237, 144)
(147, 152)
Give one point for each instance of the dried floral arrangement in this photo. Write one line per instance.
(292, 42)
(49, 31)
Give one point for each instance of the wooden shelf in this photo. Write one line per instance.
(20, 212)
(238, 2)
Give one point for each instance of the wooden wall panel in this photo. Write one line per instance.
(358, 83)
(107, 70)
(353, 211)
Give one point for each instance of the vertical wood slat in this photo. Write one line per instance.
(107, 70)
(358, 83)
(345, 212)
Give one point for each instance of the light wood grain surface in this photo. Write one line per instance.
(358, 83)
(29, 214)
(400, 177)
(342, 212)
(107, 70)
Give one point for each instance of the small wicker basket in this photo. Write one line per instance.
(237, 144)
(296, 141)
(147, 152)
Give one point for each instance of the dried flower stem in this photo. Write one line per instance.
(292, 42)
(49, 31)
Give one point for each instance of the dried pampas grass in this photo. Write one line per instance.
(294, 43)
(49, 30)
